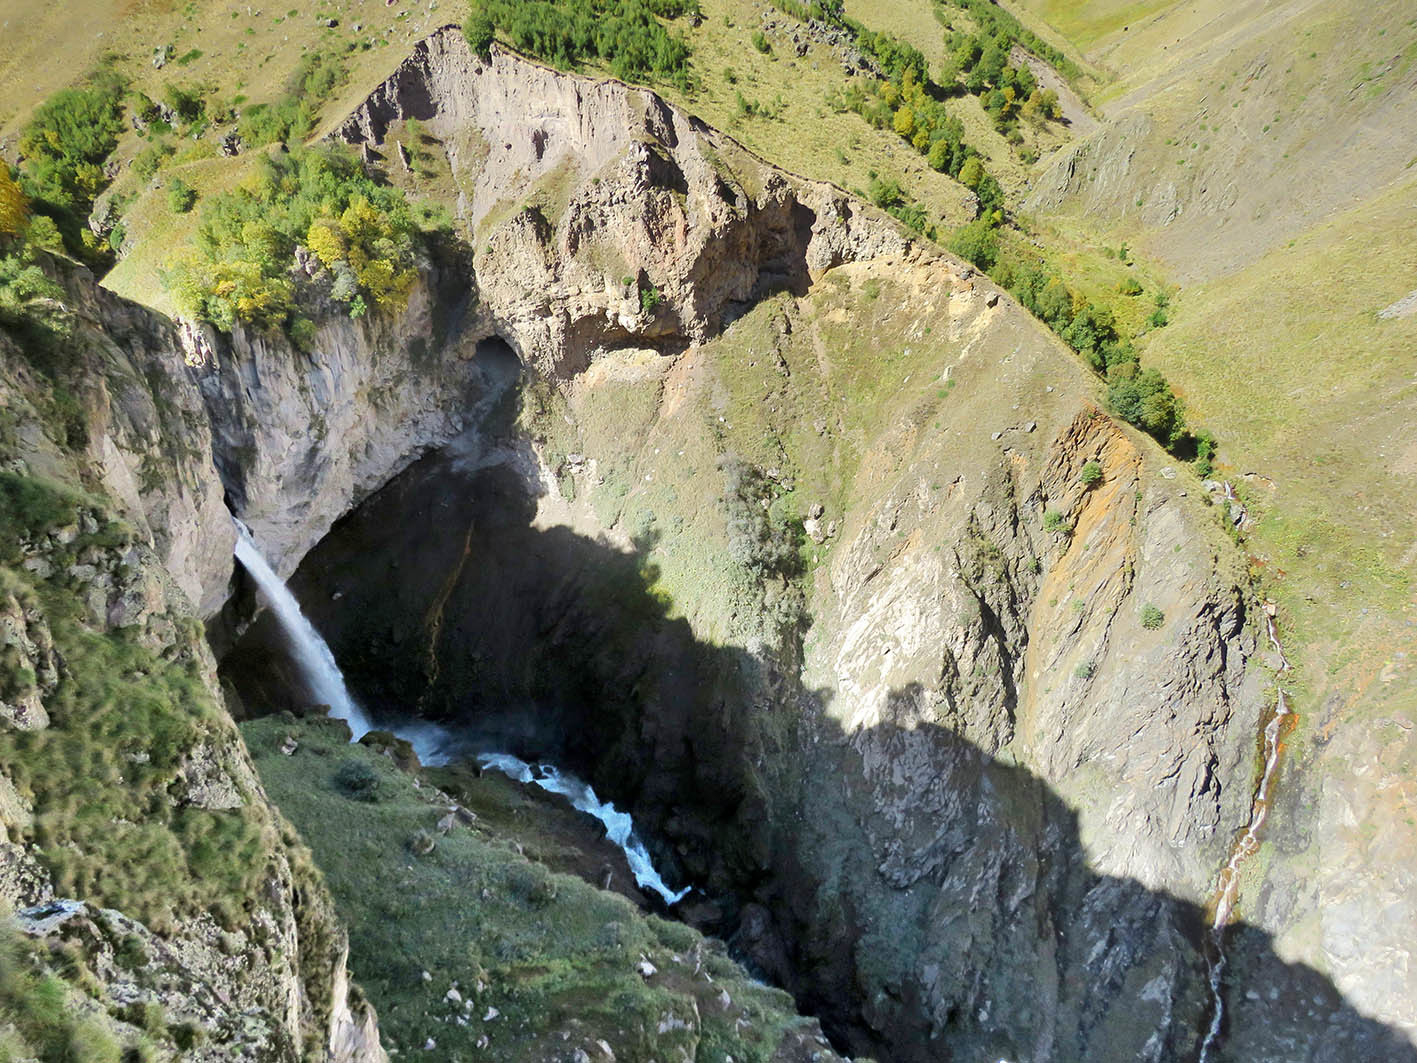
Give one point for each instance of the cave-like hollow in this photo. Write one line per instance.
(443, 598)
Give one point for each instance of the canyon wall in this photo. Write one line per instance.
(799, 549)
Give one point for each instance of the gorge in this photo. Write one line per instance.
(935, 741)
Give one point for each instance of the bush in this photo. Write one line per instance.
(1054, 522)
(357, 780)
(150, 159)
(1091, 474)
(1146, 400)
(761, 43)
(1151, 617)
(14, 208)
(977, 242)
(181, 196)
(649, 300)
(480, 31)
(1086, 670)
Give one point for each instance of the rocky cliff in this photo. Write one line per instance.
(799, 538)
(149, 868)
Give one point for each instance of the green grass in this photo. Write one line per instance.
(549, 952)
(123, 718)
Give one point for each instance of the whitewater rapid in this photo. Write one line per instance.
(434, 744)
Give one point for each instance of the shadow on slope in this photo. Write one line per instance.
(924, 900)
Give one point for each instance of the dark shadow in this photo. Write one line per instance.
(926, 901)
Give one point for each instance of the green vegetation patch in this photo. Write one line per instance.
(64, 148)
(532, 954)
(105, 777)
(626, 34)
(362, 236)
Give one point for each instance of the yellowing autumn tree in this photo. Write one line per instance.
(14, 210)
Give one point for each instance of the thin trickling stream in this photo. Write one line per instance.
(1227, 888)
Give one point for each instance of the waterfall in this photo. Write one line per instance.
(618, 826)
(434, 744)
(312, 655)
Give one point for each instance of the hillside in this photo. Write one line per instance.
(921, 461)
(1282, 341)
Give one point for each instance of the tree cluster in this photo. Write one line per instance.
(63, 149)
(626, 34)
(361, 239)
(1142, 397)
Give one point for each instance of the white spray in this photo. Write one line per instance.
(434, 744)
(618, 826)
(312, 655)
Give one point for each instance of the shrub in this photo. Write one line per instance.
(480, 31)
(977, 242)
(181, 196)
(150, 159)
(650, 299)
(1205, 454)
(1054, 522)
(1091, 474)
(1086, 670)
(1129, 286)
(761, 43)
(1151, 617)
(14, 209)
(357, 780)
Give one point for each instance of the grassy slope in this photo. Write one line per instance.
(1287, 360)
(549, 962)
(254, 54)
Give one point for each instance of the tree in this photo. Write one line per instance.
(972, 172)
(480, 31)
(181, 196)
(978, 242)
(14, 208)
(905, 122)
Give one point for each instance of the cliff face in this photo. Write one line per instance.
(138, 842)
(791, 540)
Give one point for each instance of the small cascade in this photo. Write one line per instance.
(618, 826)
(434, 744)
(312, 655)
(1228, 885)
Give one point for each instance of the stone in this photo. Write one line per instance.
(646, 969)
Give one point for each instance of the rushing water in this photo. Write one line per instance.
(618, 826)
(312, 654)
(434, 744)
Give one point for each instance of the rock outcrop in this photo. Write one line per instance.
(138, 843)
(959, 773)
